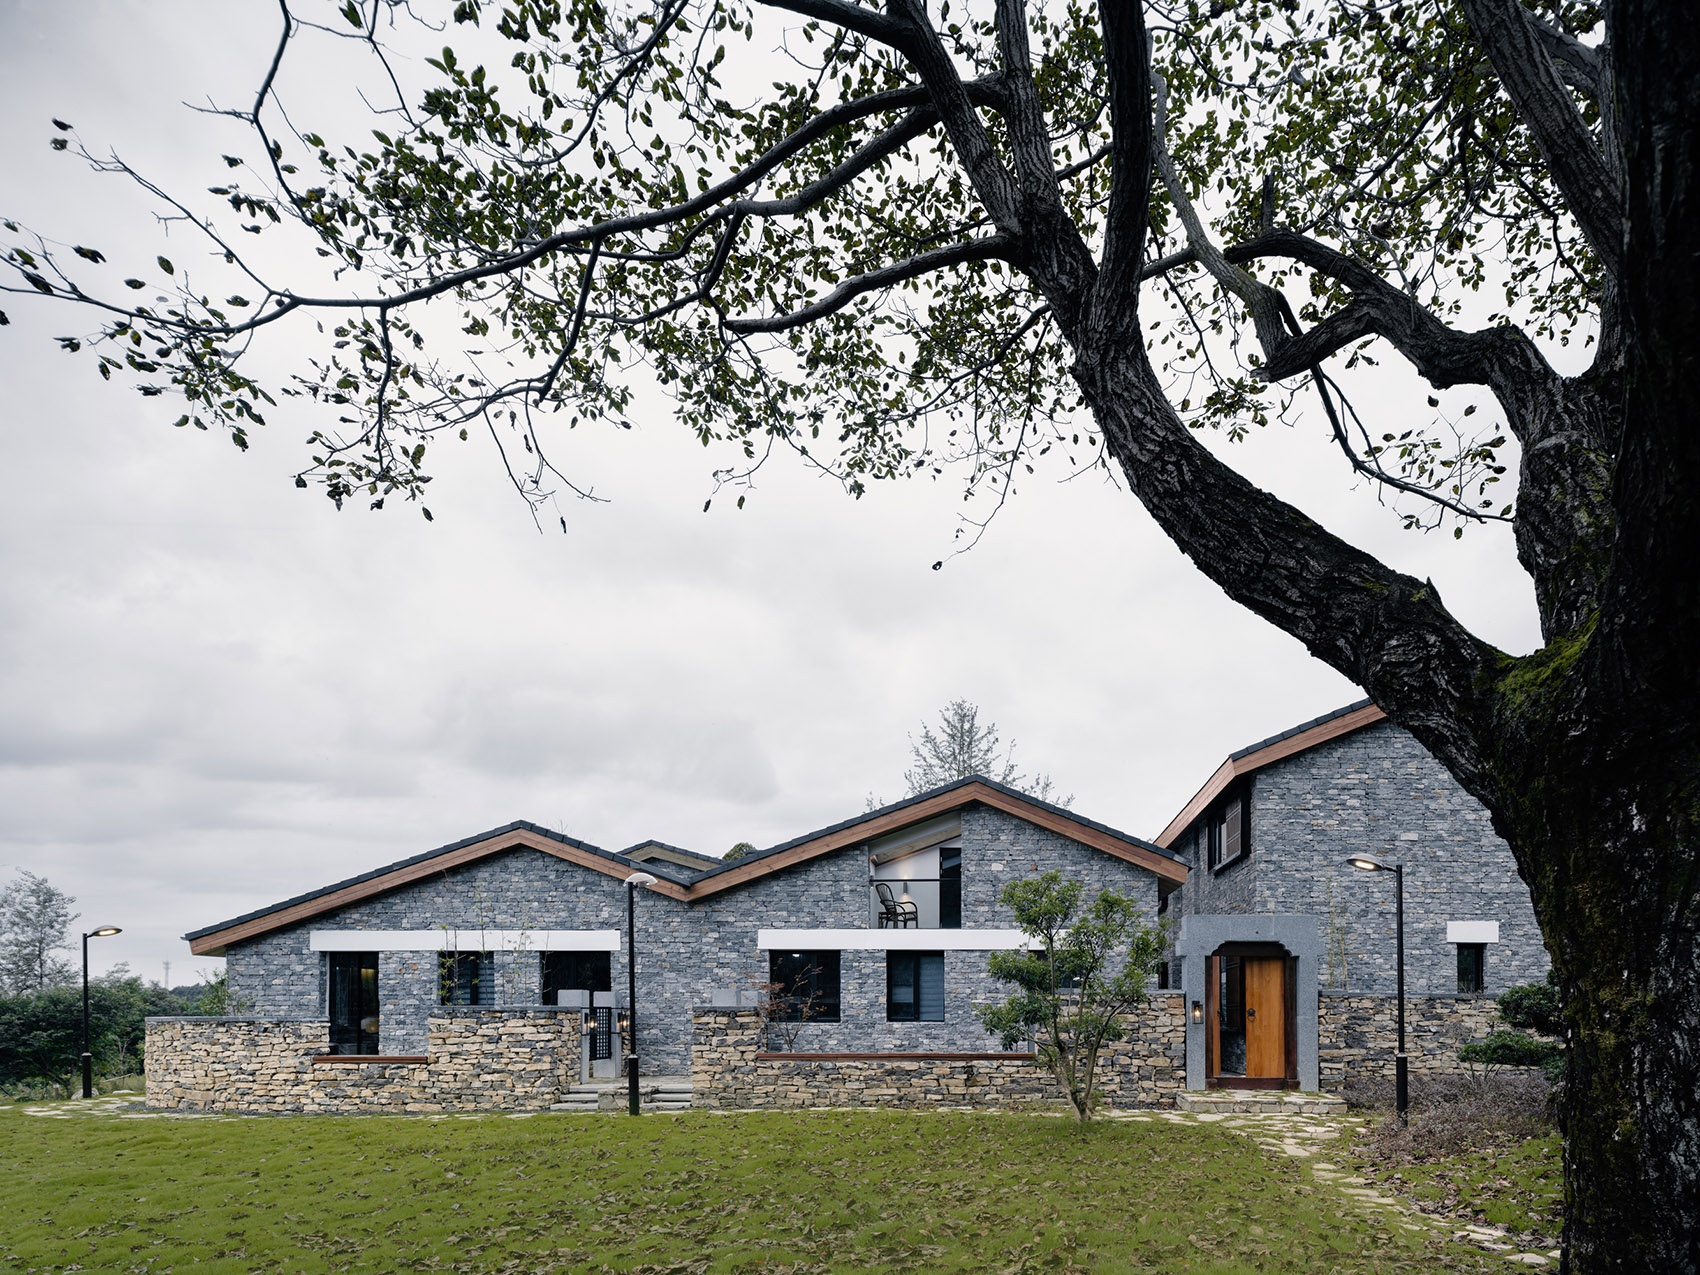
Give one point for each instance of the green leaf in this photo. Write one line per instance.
(166, 266)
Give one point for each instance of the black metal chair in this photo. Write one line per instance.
(895, 913)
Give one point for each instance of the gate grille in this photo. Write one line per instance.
(602, 1039)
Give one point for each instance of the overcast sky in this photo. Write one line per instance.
(217, 692)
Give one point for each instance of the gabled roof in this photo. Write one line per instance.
(211, 940)
(1265, 752)
(682, 883)
(976, 789)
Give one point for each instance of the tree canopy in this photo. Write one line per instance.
(1006, 234)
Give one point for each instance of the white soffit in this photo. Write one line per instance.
(890, 940)
(1472, 931)
(442, 940)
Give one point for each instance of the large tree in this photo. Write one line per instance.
(989, 231)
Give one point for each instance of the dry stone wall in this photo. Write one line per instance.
(1358, 1033)
(731, 1068)
(477, 1059)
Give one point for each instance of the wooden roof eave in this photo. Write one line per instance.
(946, 802)
(1281, 749)
(214, 942)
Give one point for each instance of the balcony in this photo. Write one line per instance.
(938, 903)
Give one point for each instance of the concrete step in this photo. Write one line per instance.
(1260, 1102)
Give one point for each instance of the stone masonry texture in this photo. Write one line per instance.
(685, 951)
(478, 1060)
(731, 1068)
(1375, 791)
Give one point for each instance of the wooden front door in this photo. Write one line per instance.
(1265, 1017)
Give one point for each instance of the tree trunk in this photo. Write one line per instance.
(1604, 823)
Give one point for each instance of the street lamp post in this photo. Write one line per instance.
(104, 931)
(1401, 1072)
(632, 882)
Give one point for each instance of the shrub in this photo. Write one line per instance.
(1515, 1049)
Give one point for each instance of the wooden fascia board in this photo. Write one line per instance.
(1281, 749)
(212, 944)
(944, 803)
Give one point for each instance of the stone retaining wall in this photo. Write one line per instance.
(476, 1059)
(731, 1068)
(1358, 1033)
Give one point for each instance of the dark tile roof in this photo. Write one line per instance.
(1300, 729)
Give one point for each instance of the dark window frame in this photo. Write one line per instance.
(1226, 829)
(346, 971)
(466, 978)
(1472, 981)
(950, 887)
(910, 970)
(805, 986)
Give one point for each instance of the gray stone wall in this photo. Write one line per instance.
(731, 1069)
(1378, 791)
(684, 951)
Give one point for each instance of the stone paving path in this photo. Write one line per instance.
(1308, 1138)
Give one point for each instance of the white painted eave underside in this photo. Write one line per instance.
(443, 940)
(890, 940)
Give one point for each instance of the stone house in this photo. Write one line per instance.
(871, 936)
(498, 964)
(1286, 952)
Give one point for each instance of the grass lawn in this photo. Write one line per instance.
(779, 1192)
(1518, 1186)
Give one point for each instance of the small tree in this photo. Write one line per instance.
(1528, 1007)
(1084, 972)
(962, 747)
(35, 921)
(738, 851)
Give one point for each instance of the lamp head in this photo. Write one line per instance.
(639, 878)
(105, 931)
(1368, 864)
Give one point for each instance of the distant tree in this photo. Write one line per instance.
(739, 851)
(41, 1032)
(35, 923)
(1074, 987)
(215, 999)
(962, 747)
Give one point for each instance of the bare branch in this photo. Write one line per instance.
(992, 246)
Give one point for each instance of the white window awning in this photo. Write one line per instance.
(1472, 931)
(446, 940)
(911, 940)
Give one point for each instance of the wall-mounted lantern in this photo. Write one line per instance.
(1198, 1011)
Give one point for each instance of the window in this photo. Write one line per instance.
(914, 987)
(1472, 967)
(804, 986)
(574, 971)
(1227, 831)
(950, 887)
(466, 978)
(354, 1002)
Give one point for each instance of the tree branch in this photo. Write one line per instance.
(1521, 56)
(993, 246)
